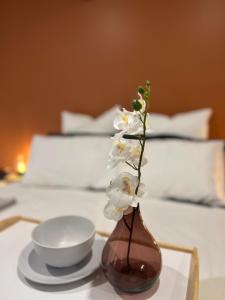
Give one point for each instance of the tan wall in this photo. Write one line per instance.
(87, 55)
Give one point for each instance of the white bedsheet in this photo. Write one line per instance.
(184, 224)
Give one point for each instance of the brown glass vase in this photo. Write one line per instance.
(131, 258)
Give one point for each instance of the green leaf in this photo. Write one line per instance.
(136, 105)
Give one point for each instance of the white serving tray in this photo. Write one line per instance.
(179, 278)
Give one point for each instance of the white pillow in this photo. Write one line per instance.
(181, 169)
(66, 161)
(72, 122)
(101, 124)
(193, 124)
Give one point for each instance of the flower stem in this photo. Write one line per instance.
(130, 236)
(132, 166)
(129, 228)
(142, 152)
(142, 141)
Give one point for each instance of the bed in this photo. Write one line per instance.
(187, 223)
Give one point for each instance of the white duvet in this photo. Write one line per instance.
(184, 224)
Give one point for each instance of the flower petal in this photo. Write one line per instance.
(112, 213)
(119, 198)
(119, 152)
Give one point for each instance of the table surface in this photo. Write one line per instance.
(173, 283)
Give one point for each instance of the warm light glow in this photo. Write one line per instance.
(21, 166)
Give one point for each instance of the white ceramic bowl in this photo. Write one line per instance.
(63, 241)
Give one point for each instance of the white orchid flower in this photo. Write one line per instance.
(126, 121)
(119, 152)
(125, 150)
(130, 123)
(121, 190)
(121, 193)
(135, 152)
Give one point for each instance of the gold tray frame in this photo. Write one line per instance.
(193, 280)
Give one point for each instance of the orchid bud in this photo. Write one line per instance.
(136, 105)
(141, 90)
(146, 94)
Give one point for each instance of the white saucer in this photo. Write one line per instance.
(31, 266)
